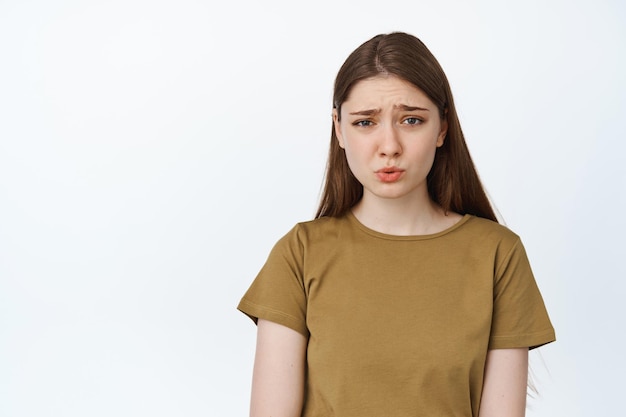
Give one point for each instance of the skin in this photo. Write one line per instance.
(504, 387)
(386, 122)
(278, 376)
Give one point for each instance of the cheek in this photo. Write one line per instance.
(355, 159)
(355, 151)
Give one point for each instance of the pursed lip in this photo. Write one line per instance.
(389, 174)
(389, 170)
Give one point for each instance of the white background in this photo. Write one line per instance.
(152, 152)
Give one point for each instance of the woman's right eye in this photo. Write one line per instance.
(363, 123)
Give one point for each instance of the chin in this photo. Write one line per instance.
(390, 195)
(397, 191)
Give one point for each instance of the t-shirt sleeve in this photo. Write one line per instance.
(520, 318)
(277, 293)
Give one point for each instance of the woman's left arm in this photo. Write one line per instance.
(505, 384)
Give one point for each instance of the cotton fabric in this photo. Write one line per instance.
(399, 325)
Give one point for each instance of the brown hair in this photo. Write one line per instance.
(453, 182)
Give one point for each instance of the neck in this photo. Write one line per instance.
(401, 217)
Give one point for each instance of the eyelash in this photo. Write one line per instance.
(416, 119)
(367, 123)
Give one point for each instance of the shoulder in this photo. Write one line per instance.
(488, 238)
(305, 233)
(320, 228)
(488, 229)
(498, 241)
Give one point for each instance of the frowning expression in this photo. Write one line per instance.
(390, 131)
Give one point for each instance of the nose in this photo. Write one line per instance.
(389, 145)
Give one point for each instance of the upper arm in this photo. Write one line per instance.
(505, 382)
(279, 367)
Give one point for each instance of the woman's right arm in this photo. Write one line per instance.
(279, 366)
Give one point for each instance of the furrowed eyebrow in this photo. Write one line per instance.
(404, 107)
(372, 112)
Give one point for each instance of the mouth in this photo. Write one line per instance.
(389, 170)
(389, 174)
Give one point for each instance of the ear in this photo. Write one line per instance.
(337, 127)
(444, 131)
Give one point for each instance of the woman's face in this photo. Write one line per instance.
(390, 131)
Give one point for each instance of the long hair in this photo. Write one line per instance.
(453, 182)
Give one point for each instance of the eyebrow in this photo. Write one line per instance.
(409, 108)
(402, 107)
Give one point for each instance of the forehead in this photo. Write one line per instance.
(386, 91)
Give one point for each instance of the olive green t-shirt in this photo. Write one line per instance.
(399, 325)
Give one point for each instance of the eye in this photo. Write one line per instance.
(363, 123)
(412, 121)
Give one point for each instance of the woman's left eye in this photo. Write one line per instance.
(412, 121)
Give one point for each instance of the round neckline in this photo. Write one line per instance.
(352, 218)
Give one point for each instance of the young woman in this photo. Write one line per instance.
(404, 297)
